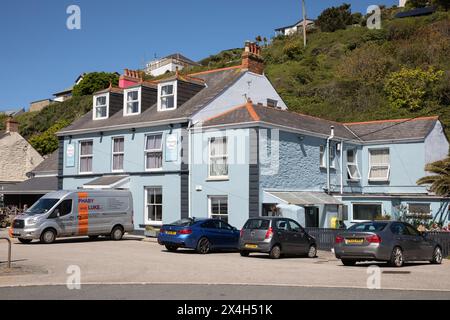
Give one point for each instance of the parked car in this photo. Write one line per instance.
(201, 234)
(276, 236)
(76, 213)
(391, 241)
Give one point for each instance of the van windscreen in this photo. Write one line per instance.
(258, 224)
(43, 205)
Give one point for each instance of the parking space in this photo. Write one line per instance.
(134, 260)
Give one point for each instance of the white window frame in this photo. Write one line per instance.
(384, 165)
(115, 153)
(94, 102)
(419, 203)
(354, 163)
(210, 214)
(210, 177)
(322, 156)
(146, 204)
(146, 151)
(85, 156)
(125, 101)
(174, 94)
(365, 203)
(332, 152)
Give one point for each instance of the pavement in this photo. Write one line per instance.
(139, 264)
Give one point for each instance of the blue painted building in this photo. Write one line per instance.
(221, 143)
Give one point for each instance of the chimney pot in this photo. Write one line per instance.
(252, 59)
(11, 125)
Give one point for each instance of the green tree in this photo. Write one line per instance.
(439, 181)
(93, 82)
(409, 88)
(417, 3)
(335, 18)
(47, 142)
(443, 4)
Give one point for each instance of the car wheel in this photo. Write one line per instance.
(396, 258)
(117, 233)
(171, 248)
(437, 256)
(93, 237)
(48, 236)
(348, 262)
(312, 253)
(25, 241)
(275, 252)
(203, 246)
(245, 253)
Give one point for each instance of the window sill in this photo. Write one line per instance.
(154, 170)
(218, 179)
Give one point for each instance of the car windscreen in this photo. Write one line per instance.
(368, 227)
(42, 206)
(258, 224)
(182, 223)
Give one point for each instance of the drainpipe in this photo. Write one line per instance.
(342, 167)
(328, 159)
(189, 166)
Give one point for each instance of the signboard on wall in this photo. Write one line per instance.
(70, 155)
(171, 147)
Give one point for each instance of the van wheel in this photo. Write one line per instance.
(93, 237)
(437, 256)
(117, 233)
(203, 246)
(312, 253)
(244, 253)
(48, 236)
(25, 241)
(275, 252)
(396, 257)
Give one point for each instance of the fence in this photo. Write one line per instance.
(325, 238)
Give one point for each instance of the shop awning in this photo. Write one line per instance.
(108, 182)
(38, 185)
(305, 198)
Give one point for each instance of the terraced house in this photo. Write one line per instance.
(222, 143)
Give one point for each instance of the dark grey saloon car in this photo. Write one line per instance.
(391, 241)
(276, 236)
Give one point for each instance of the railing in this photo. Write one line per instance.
(9, 251)
(325, 238)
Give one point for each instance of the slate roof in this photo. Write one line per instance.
(38, 185)
(384, 130)
(179, 56)
(216, 81)
(50, 164)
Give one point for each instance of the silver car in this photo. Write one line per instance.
(76, 213)
(391, 241)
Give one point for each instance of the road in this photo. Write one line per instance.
(132, 262)
(209, 292)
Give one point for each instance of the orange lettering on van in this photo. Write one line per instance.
(83, 215)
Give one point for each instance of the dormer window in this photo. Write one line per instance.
(132, 102)
(167, 96)
(101, 105)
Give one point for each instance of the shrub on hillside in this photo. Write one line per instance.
(93, 82)
(411, 88)
(335, 18)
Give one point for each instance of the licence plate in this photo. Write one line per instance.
(354, 241)
(172, 233)
(251, 246)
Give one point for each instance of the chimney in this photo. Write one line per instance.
(252, 59)
(130, 78)
(11, 125)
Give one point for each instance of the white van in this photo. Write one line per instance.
(76, 213)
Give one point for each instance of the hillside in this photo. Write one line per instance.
(356, 74)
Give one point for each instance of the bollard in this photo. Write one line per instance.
(9, 251)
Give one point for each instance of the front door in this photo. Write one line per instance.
(311, 217)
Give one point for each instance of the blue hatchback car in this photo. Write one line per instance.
(203, 235)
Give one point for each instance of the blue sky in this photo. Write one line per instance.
(40, 56)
